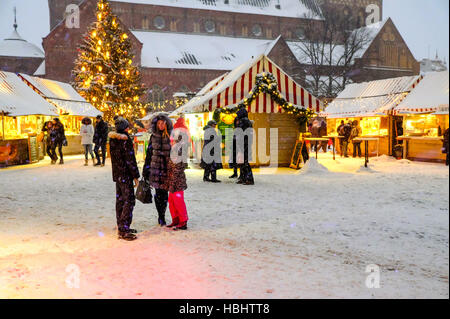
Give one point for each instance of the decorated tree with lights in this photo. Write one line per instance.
(104, 73)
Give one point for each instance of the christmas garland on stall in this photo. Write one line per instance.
(266, 83)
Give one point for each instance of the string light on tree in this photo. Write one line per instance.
(104, 73)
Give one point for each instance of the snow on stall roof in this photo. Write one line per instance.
(186, 51)
(63, 95)
(372, 30)
(431, 92)
(17, 98)
(370, 98)
(288, 8)
(16, 46)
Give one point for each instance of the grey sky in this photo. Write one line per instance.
(423, 23)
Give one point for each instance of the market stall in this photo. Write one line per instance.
(371, 105)
(72, 107)
(260, 85)
(23, 113)
(425, 118)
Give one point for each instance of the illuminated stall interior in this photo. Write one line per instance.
(425, 115)
(371, 104)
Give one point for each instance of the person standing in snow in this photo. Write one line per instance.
(356, 131)
(125, 171)
(340, 132)
(315, 132)
(181, 124)
(346, 131)
(100, 140)
(87, 135)
(157, 161)
(445, 146)
(50, 141)
(176, 180)
(232, 160)
(322, 133)
(211, 165)
(59, 139)
(244, 152)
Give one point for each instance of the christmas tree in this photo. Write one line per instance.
(104, 73)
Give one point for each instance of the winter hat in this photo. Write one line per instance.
(212, 122)
(121, 124)
(98, 117)
(242, 113)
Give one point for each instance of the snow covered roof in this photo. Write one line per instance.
(372, 30)
(371, 98)
(15, 46)
(187, 51)
(17, 98)
(63, 95)
(41, 69)
(286, 8)
(430, 95)
(230, 90)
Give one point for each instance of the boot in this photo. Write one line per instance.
(93, 162)
(235, 175)
(214, 177)
(132, 231)
(61, 161)
(206, 175)
(182, 226)
(175, 222)
(127, 236)
(86, 162)
(97, 164)
(162, 221)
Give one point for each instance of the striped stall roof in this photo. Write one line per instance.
(18, 99)
(430, 95)
(237, 84)
(372, 98)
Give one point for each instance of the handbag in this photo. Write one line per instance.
(144, 192)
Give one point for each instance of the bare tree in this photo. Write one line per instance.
(328, 52)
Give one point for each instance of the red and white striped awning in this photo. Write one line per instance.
(230, 90)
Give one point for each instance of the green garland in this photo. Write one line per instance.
(266, 83)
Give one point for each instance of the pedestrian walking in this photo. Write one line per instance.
(244, 150)
(100, 140)
(210, 162)
(87, 136)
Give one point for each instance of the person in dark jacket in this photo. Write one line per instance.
(176, 180)
(345, 132)
(244, 152)
(322, 133)
(157, 161)
(124, 171)
(356, 131)
(100, 140)
(50, 141)
(211, 166)
(59, 138)
(445, 146)
(232, 160)
(340, 132)
(315, 132)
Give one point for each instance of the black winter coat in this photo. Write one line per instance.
(214, 138)
(101, 133)
(245, 150)
(123, 159)
(158, 155)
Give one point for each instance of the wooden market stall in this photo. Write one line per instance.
(238, 86)
(23, 113)
(425, 118)
(371, 104)
(72, 108)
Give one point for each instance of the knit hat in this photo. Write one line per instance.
(212, 122)
(242, 113)
(121, 124)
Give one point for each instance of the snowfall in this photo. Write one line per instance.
(310, 233)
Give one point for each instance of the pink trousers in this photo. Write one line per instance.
(177, 207)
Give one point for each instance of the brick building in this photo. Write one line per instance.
(181, 45)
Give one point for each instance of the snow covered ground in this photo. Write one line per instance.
(295, 234)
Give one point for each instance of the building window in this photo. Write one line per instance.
(300, 33)
(196, 27)
(159, 22)
(244, 30)
(156, 97)
(210, 26)
(145, 23)
(257, 30)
